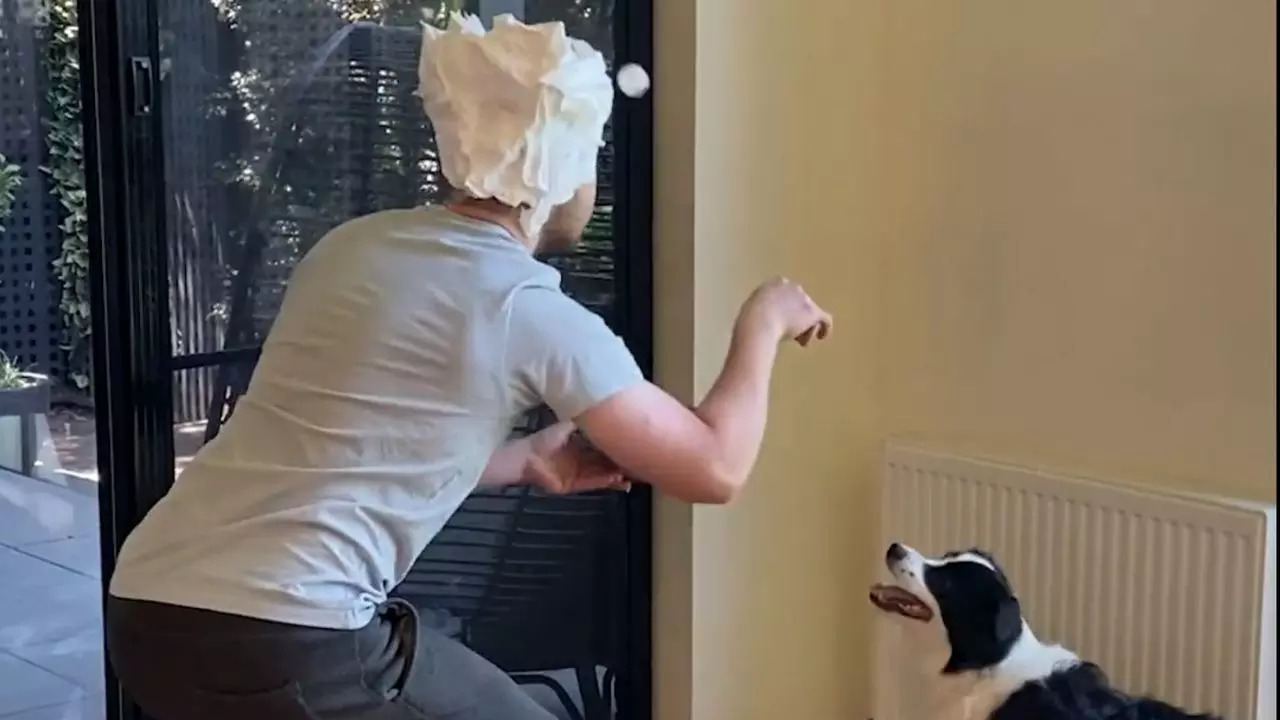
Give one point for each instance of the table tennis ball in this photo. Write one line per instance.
(632, 80)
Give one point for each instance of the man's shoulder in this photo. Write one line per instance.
(543, 298)
(364, 234)
(542, 314)
(392, 221)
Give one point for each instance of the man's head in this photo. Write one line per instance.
(959, 607)
(564, 227)
(519, 114)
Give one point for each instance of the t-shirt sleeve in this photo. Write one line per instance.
(564, 355)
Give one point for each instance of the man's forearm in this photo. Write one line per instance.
(738, 403)
(703, 455)
(508, 465)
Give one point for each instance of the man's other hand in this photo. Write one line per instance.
(562, 462)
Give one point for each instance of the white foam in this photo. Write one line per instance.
(519, 111)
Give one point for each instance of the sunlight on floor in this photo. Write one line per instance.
(51, 629)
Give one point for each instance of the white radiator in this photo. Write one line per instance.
(1172, 595)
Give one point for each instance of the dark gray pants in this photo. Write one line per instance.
(186, 664)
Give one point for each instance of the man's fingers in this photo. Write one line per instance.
(611, 482)
(605, 480)
(819, 330)
(598, 464)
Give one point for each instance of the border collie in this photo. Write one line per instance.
(965, 627)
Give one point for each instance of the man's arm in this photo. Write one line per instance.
(509, 465)
(706, 455)
(557, 459)
(584, 372)
(703, 455)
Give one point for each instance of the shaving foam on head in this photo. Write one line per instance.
(519, 111)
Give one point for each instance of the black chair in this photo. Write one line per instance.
(517, 577)
(525, 579)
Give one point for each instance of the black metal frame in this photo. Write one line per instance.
(132, 354)
(128, 274)
(633, 227)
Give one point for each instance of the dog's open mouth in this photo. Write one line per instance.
(893, 599)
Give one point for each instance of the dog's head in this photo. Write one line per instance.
(960, 605)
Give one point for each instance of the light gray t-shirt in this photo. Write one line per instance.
(408, 344)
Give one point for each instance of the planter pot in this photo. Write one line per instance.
(33, 399)
(19, 408)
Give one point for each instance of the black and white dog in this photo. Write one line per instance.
(966, 629)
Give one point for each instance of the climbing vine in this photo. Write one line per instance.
(65, 139)
(10, 180)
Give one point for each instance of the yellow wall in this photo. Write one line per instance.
(1048, 233)
(1080, 268)
(750, 598)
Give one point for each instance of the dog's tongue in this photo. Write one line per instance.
(891, 598)
(892, 593)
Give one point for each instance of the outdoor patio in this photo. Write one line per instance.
(50, 578)
(68, 447)
(51, 629)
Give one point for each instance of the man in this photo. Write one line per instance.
(407, 345)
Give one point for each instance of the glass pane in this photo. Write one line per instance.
(284, 118)
(50, 592)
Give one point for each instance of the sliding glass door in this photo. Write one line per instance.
(225, 138)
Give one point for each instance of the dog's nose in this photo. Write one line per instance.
(895, 553)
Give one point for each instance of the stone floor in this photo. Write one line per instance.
(50, 602)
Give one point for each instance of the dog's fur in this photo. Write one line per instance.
(983, 660)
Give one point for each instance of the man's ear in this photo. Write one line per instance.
(985, 640)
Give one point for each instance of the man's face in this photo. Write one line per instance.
(563, 230)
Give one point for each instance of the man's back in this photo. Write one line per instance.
(389, 378)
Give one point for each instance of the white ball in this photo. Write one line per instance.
(632, 80)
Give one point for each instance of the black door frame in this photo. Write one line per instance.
(129, 289)
(128, 270)
(633, 250)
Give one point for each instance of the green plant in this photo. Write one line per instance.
(64, 136)
(10, 181)
(11, 376)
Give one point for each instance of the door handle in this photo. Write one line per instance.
(141, 87)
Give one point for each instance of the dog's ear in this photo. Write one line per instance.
(984, 638)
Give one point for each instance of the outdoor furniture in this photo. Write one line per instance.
(527, 580)
(27, 403)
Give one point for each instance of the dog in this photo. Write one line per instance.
(979, 657)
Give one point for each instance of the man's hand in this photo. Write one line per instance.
(562, 462)
(780, 309)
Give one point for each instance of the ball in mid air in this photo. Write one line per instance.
(632, 80)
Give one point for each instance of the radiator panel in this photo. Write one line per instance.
(1168, 593)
